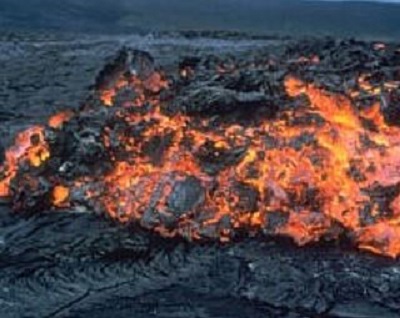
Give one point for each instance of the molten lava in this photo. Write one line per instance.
(181, 175)
(29, 148)
(60, 196)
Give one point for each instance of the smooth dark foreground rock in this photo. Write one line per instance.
(77, 265)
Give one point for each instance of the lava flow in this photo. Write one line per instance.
(319, 171)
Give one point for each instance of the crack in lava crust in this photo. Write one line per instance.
(124, 153)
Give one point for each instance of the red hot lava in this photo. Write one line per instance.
(318, 190)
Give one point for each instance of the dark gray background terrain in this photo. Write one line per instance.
(291, 17)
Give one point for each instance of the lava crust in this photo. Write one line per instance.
(223, 146)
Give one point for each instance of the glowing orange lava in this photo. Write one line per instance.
(59, 119)
(319, 187)
(29, 148)
(60, 196)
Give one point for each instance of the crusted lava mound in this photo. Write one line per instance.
(222, 148)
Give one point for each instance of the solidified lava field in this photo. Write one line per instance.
(79, 264)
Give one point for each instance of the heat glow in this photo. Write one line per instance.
(321, 188)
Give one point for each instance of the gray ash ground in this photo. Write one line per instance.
(81, 265)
